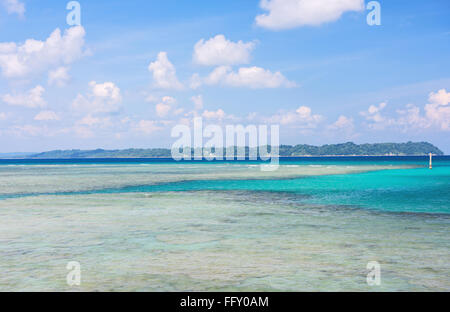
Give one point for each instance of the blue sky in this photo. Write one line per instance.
(323, 74)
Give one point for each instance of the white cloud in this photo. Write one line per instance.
(102, 98)
(373, 109)
(106, 90)
(147, 126)
(343, 122)
(32, 99)
(218, 75)
(220, 51)
(304, 112)
(198, 101)
(411, 118)
(91, 121)
(169, 100)
(250, 77)
(165, 106)
(14, 6)
(442, 97)
(377, 120)
(164, 73)
(436, 114)
(3, 116)
(59, 76)
(219, 114)
(438, 110)
(162, 109)
(285, 14)
(34, 56)
(343, 126)
(301, 118)
(46, 115)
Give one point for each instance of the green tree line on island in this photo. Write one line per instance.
(344, 149)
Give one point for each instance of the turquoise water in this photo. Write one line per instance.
(413, 190)
(158, 225)
(416, 189)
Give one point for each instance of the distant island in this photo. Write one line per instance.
(345, 149)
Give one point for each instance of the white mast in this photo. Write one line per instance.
(431, 160)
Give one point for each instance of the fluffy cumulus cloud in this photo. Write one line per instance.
(343, 127)
(220, 51)
(162, 109)
(59, 76)
(300, 118)
(342, 123)
(375, 117)
(438, 110)
(14, 7)
(285, 14)
(250, 77)
(441, 97)
(46, 116)
(410, 118)
(164, 73)
(165, 106)
(436, 114)
(31, 99)
(102, 98)
(35, 56)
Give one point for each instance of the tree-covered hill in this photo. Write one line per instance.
(352, 149)
(345, 149)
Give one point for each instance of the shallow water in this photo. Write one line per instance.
(225, 226)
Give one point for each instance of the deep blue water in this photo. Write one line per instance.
(422, 160)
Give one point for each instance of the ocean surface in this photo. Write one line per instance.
(161, 225)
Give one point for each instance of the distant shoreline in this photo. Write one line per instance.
(348, 149)
(246, 159)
